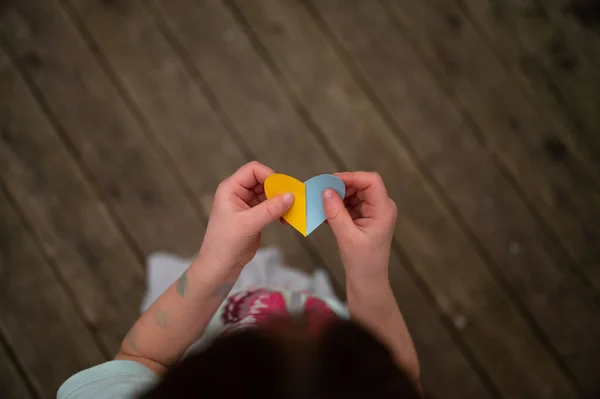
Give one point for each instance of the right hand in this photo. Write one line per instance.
(363, 224)
(240, 212)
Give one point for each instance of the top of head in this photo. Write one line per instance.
(286, 359)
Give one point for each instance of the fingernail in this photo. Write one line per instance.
(288, 198)
(328, 194)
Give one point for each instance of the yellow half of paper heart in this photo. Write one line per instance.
(277, 184)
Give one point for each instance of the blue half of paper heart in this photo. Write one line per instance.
(315, 214)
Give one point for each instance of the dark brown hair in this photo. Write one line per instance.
(343, 361)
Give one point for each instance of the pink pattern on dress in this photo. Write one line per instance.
(318, 314)
(252, 307)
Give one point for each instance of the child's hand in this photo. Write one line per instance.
(240, 211)
(363, 224)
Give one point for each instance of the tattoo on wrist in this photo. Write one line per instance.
(223, 290)
(161, 317)
(182, 284)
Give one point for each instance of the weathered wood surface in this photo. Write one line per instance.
(201, 144)
(12, 384)
(525, 145)
(499, 219)
(576, 22)
(275, 133)
(266, 122)
(96, 122)
(37, 316)
(316, 76)
(538, 43)
(124, 116)
(64, 213)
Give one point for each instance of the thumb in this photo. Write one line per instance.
(336, 213)
(269, 211)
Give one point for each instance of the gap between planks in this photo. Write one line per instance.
(488, 260)
(14, 375)
(550, 233)
(71, 149)
(197, 80)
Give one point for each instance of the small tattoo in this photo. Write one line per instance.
(182, 284)
(161, 317)
(223, 290)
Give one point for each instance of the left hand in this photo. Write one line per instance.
(363, 224)
(240, 211)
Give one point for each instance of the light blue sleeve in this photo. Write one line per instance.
(117, 379)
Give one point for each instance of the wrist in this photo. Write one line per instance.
(371, 304)
(368, 285)
(365, 274)
(366, 266)
(212, 272)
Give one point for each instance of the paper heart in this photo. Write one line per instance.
(307, 213)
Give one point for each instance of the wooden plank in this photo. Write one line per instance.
(309, 64)
(244, 87)
(96, 123)
(577, 21)
(63, 211)
(592, 270)
(266, 122)
(4, 61)
(12, 384)
(450, 26)
(481, 85)
(526, 146)
(174, 105)
(39, 320)
(547, 60)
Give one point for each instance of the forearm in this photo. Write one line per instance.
(373, 304)
(177, 318)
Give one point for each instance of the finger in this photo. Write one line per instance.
(363, 210)
(268, 211)
(253, 198)
(256, 199)
(355, 213)
(252, 174)
(259, 189)
(253, 201)
(248, 180)
(350, 191)
(354, 209)
(368, 185)
(354, 200)
(337, 215)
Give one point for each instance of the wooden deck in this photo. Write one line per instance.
(118, 118)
